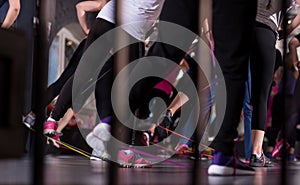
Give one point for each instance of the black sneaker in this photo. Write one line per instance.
(223, 165)
(261, 161)
(161, 131)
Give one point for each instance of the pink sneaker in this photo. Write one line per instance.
(54, 141)
(127, 159)
(145, 140)
(277, 151)
(181, 147)
(50, 128)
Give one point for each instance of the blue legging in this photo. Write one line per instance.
(247, 118)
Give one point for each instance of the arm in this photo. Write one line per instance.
(12, 13)
(206, 20)
(208, 33)
(84, 7)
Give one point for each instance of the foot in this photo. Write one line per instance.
(54, 140)
(181, 148)
(277, 151)
(262, 161)
(128, 159)
(223, 165)
(161, 131)
(99, 155)
(98, 137)
(50, 128)
(29, 120)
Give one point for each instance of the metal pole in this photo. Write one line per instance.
(120, 61)
(40, 73)
(197, 163)
(284, 154)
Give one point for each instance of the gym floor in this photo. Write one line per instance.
(78, 170)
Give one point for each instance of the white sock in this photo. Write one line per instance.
(259, 155)
(51, 119)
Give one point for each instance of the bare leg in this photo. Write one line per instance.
(65, 120)
(257, 141)
(178, 101)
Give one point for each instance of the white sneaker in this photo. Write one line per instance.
(98, 137)
(99, 156)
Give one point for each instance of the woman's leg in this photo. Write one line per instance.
(262, 63)
(54, 89)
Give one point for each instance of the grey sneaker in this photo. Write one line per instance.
(261, 161)
(29, 120)
(129, 159)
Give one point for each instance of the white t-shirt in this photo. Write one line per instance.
(134, 11)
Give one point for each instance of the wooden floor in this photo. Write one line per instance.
(77, 170)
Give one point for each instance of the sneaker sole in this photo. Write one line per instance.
(130, 165)
(53, 143)
(100, 155)
(260, 165)
(95, 158)
(227, 171)
(49, 132)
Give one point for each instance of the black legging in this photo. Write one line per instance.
(189, 20)
(54, 89)
(104, 84)
(290, 103)
(280, 103)
(297, 100)
(169, 13)
(262, 63)
(64, 100)
(232, 34)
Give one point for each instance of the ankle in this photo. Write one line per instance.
(257, 150)
(259, 155)
(51, 119)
